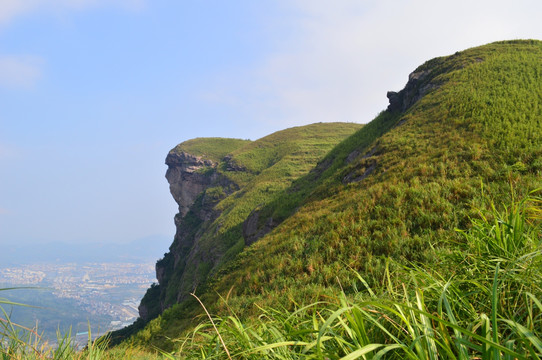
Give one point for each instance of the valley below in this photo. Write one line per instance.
(75, 297)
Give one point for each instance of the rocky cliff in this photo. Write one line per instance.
(220, 185)
(188, 176)
(191, 179)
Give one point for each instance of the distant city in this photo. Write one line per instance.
(74, 296)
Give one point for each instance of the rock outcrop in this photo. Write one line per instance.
(188, 176)
(419, 83)
(225, 190)
(253, 229)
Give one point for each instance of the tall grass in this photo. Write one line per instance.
(482, 301)
(480, 120)
(22, 343)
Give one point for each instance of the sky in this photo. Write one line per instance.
(94, 93)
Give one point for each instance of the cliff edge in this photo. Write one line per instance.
(220, 185)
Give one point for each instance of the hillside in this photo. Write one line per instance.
(219, 185)
(281, 224)
(468, 119)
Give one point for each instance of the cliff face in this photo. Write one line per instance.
(420, 82)
(188, 176)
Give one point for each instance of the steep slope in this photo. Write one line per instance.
(219, 184)
(398, 188)
(465, 120)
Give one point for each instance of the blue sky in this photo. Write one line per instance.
(94, 93)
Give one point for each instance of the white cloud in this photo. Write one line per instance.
(11, 9)
(344, 55)
(19, 71)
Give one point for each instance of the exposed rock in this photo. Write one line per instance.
(231, 165)
(160, 273)
(396, 102)
(188, 176)
(143, 311)
(148, 308)
(375, 150)
(352, 156)
(355, 176)
(366, 166)
(253, 231)
(419, 83)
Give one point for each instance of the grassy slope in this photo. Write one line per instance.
(210, 148)
(270, 165)
(488, 309)
(482, 125)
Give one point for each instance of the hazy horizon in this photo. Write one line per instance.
(147, 249)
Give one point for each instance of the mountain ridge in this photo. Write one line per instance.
(218, 197)
(465, 126)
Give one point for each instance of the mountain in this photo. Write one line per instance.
(286, 220)
(220, 185)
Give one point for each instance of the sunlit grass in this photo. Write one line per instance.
(490, 308)
(22, 343)
(373, 268)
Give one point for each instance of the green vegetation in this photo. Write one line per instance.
(425, 183)
(361, 256)
(390, 196)
(272, 164)
(488, 308)
(213, 149)
(261, 171)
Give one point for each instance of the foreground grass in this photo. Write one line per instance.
(21, 343)
(489, 307)
(482, 301)
(397, 188)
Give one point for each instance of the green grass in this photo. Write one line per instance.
(213, 149)
(426, 183)
(270, 165)
(480, 123)
(490, 309)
